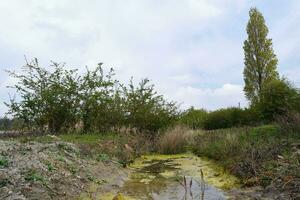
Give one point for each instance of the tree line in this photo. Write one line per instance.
(58, 99)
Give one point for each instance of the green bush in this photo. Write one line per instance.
(229, 117)
(193, 118)
(58, 100)
(146, 110)
(278, 98)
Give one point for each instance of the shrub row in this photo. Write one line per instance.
(222, 118)
(58, 99)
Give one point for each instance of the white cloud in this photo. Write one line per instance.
(229, 95)
(192, 50)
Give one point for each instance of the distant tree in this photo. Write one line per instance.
(278, 98)
(229, 117)
(260, 60)
(5, 123)
(193, 118)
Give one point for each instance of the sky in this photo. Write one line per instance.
(192, 50)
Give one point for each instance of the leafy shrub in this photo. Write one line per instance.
(60, 99)
(145, 109)
(193, 118)
(99, 111)
(229, 117)
(48, 98)
(278, 97)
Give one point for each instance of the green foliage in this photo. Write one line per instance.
(61, 158)
(10, 124)
(278, 98)
(99, 110)
(229, 117)
(5, 123)
(91, 177)
(258, 156)
(3, 162)
(103, 157)
(33, 176)
(60, 100)
(47, 98)
(91, 138)
(50, 167)
(260, 60)
(244, 151)
(193, 118)
(145, 109)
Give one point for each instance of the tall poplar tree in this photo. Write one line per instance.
(260, 60)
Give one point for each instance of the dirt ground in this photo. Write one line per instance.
(55, 170)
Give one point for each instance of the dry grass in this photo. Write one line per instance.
(175, 140)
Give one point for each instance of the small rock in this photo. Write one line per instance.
(297, 152)
(280, 157)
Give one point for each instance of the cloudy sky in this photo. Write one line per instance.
(190, 49)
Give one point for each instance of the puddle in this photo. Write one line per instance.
(161, 177)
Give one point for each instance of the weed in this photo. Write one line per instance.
(3, 162)
(90, 177)
(61, 158)
(33, 175)
(50, 166)
(73, 169)
(103, 158)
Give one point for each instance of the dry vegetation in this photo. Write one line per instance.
(266, 156)
(175, 140)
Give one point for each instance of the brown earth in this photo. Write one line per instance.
(55, 170)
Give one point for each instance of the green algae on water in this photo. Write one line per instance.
(187, 165)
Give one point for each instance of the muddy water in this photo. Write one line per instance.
(161, 177)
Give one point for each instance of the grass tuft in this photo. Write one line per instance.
(175, 140)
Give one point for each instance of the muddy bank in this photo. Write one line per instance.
(53, 171)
